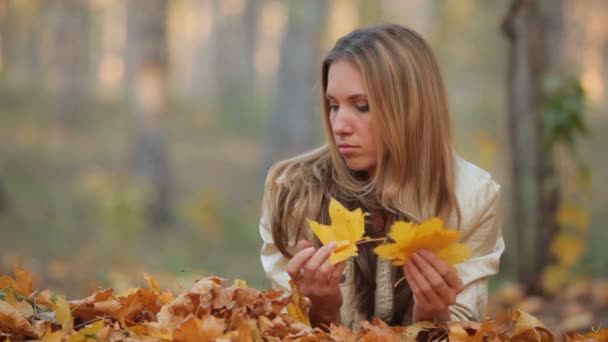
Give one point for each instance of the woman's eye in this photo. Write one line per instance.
(362, 108)
(333, 107)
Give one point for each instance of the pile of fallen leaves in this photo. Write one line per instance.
(214, 310)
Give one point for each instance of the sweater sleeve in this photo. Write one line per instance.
(482, 234)
(273, 261)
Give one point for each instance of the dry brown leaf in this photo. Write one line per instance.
(13, 322)
(529, 328)
(193, 329)
(138, 307)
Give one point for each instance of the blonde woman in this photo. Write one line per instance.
(389, 151)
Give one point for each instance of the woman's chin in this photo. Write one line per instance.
(357, 167)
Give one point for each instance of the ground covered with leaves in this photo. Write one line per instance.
(214, 309)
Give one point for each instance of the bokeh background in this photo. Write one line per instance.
(136, 135)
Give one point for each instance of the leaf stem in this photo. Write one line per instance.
(370, 240)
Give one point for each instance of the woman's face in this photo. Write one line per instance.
(350, 117)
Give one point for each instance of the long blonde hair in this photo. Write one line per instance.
(414, 177)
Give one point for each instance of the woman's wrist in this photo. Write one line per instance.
(435, 316)
(320, 315)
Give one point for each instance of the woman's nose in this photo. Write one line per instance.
(342, 124)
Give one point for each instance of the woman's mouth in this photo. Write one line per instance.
(346, 149)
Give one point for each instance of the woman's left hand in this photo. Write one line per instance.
(434, 284)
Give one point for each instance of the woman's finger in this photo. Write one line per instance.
(437, 283)
(318, 258)
(423, 285)
(420, 298)
(446, 271)
(336, 275)
(298, 261)
(324, 272)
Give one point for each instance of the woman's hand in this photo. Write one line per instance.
(319, 280)
(434, 284)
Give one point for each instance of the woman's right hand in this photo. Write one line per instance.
(319, 280)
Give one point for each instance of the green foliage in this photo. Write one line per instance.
(563, 111)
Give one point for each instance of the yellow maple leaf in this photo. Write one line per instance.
(63, 314)
(409, 238)
(298, 307)
(346, 229)
(88, 333)
(51, 336)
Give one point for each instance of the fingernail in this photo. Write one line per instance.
(333, 244)
(309, 250)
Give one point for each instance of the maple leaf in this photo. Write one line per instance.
(298, 308)
(51, 336)
(22, 283)
(346, 229)
(20, 305)
(529, 328)
(409, 238)
(64, 315)
(192, 329)
(599, 335)
(13, 322)
(88, 333)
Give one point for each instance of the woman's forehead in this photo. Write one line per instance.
(344, 80)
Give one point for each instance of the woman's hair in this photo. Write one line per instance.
(414, 177)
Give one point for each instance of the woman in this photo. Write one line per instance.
(389, 151)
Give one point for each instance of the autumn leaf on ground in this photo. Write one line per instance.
(346, 229)
(529, 328)
(64, 314)
(599, 335)
(22, 283)
(409, 238)
(298, 308)
(13, 322)
(192, 329)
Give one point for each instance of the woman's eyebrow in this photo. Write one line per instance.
(351, 97)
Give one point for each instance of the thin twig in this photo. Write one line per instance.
(93, 320)
(399, 281)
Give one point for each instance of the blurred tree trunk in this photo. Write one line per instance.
(293, 121)
(69, 77)
(21, 30)
(234, 40)
(147, 48)
(534, 32)
(202, 86)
